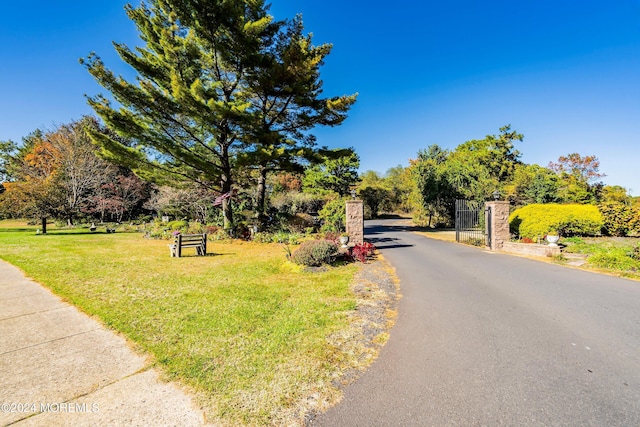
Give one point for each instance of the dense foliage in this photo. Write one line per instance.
(533, 221)
(620, 219)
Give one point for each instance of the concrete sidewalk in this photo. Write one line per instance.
(60, 367)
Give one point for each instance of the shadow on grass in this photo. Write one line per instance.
(208, 254)
(17, 230)
(83, 232)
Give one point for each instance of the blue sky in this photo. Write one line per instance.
(566, 74)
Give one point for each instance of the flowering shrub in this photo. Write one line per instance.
(361, 252)
(314, 253)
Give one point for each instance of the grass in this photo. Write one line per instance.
(247, 332)
(615, 255)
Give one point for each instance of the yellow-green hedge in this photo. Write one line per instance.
(567, 220)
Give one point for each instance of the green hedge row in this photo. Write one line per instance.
(620, 219)
(536, 220)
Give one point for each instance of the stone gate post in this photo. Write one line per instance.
(355, 221)
(498, 212)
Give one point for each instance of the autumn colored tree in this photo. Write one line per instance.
(616, 194)
(579, 177)
(36, 190)
(119, 195)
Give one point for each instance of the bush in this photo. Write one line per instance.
(196, 228)
(332, 236)
(277, 237)
(314, 253)
(619, 219)
(614, 259)
(177, 225)
(361, 252)
(567, 220)
(334, 215)
(616, 218)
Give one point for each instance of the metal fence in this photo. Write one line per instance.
(472, 226)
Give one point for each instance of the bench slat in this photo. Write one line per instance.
(198, 241)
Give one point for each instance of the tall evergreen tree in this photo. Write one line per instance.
(184, 115)
(220, 82)
(285, 94)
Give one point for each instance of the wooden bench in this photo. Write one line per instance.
(198, 241)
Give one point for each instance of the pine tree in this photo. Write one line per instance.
(286, 101)
(183, 117)
(221, 86)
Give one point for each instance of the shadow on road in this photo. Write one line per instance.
(372, 232)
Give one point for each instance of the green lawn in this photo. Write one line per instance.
(243, 328)
(614, 255)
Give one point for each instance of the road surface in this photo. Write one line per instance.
(491, 339)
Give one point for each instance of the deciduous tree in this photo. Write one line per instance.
(579, 177)
(81, 170)
(36, 191)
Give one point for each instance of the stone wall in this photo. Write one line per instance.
(355, 221)
(531, 249)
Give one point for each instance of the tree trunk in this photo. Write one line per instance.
(261, 197)
(44, 225)
(227, 213)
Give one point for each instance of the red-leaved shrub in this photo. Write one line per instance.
(361, 252)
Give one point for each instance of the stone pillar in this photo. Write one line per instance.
(355, 221)
(499, 217)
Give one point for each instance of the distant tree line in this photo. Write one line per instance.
(476, 169)
(221, 113)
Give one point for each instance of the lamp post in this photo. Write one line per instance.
(496, 195)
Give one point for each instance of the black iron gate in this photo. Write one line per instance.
(473, 225)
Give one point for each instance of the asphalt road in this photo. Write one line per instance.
(491, 339)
